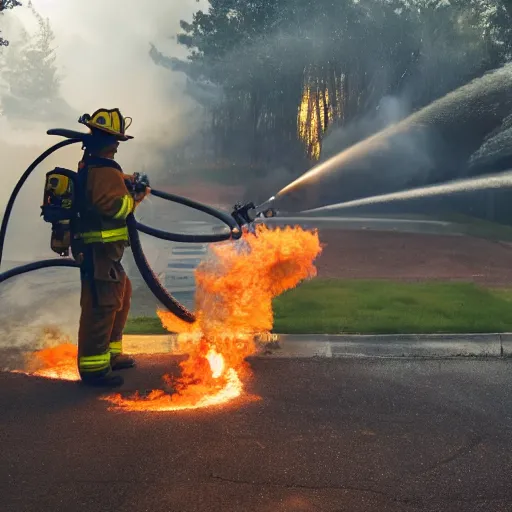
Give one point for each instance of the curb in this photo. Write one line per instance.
(324, 345)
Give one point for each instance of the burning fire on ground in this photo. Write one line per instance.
(235, 286)
(57, 361)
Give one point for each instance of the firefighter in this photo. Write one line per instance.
(104, 204)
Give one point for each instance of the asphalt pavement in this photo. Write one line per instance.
(327, 435)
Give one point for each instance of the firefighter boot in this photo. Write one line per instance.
(103, 381)
(121, 362)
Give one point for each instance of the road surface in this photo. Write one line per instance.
(327, 435)
(395, 224)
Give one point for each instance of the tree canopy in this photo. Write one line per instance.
(30, 80)
(275, 76)
(4, 5)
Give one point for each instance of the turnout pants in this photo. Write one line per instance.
(105, 304)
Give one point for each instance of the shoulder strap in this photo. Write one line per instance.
(96, 161)
(81, 186)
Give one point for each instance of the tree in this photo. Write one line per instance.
(289, 69)
(29, 72)
(4, 5)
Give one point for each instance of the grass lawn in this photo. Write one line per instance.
(379, 307)
(369, 307)
(144, 325)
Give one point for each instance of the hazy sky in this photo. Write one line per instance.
(102, 53)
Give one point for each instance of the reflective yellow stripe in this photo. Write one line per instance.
(126, 207)
(96, 363)
(116, 347)
(109, 235)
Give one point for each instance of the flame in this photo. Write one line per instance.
(57, 362)
(235, 288)
(159, 400)
(216, 363)
(315, 114)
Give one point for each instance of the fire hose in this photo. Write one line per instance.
(243, 214)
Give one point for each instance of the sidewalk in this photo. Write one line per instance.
(322, 345)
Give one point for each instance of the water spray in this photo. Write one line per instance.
(495, 181)
(430, 146)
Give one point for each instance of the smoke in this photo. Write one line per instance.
(278, 62)
(102, 54)
(390, 110)
(102, 51)
(432, 145)
(33, 303)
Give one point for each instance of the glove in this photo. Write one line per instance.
(138, 185)
(139, 196)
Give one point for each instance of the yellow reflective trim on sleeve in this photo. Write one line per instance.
(96, 363)
(109, 235)
(116, 347)
(131, 206)
(126, 207)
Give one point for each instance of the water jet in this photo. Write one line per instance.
(430, 146)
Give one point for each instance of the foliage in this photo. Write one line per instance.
(4, 5)
(30, 69)
(30, 79)
(274, 76)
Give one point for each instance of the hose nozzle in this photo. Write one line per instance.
(267, 210)
(244, 213)
(247, 213)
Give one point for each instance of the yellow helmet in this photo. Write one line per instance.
(108, 121)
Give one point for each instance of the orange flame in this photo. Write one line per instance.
(57, 362)
(216, 363)
(235, 288)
